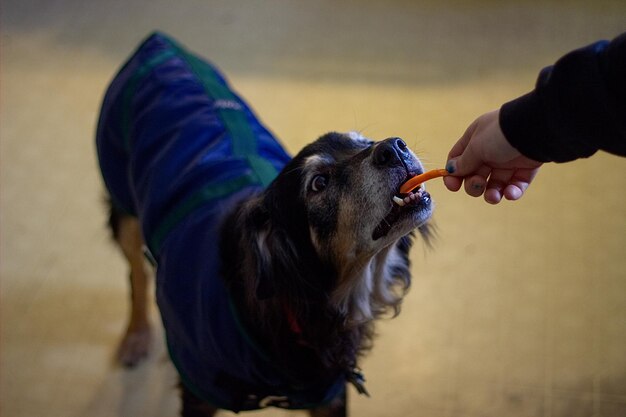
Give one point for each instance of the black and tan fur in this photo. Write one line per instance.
(323, 244)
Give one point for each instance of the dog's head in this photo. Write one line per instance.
(346, 185)
(328, 223)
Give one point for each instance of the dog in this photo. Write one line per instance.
(270, 270)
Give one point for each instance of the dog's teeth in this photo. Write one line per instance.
(409, 198)
(398, 201)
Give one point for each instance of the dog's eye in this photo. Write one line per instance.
(319, 183)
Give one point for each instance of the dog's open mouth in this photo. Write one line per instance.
(408, 205)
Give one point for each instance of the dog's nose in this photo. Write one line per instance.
(390, 152)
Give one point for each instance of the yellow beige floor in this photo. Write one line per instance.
(518, 310)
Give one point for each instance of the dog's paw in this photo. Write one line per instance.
(135, 346)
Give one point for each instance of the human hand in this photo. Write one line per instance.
(486, 162)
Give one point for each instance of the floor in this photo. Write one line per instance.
(518, 310)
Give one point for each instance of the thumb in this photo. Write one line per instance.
(464, 164)
(460, 168)
(462, 159)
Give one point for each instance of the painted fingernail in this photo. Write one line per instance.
(451, 167)
(477, 186)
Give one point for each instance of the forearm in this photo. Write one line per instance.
(577, 107)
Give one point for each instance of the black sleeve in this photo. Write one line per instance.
(577, 107)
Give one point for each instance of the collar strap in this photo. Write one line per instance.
(294, 325)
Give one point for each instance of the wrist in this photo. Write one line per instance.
(521, 124)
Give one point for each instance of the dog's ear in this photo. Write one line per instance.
(276, 258)
(264, 286)
(284, 260)
(270, 253)
(254, 230)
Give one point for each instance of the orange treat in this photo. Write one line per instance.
(415, 182)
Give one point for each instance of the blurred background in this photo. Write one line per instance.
(517, 310)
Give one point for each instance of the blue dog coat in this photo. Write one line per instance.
(178, 149)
